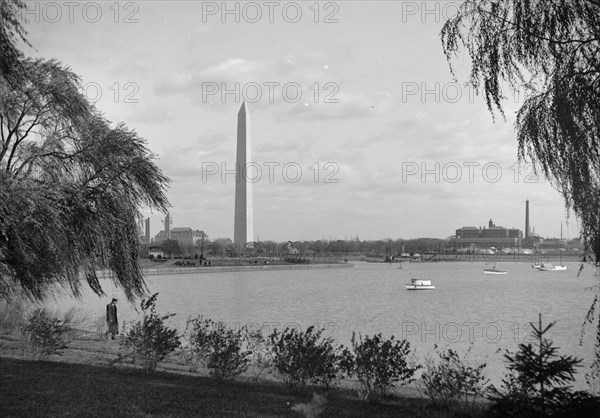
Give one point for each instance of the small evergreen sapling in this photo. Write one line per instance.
(538, 381)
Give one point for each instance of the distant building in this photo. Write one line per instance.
(290, 249)
(533, 241)
(185, 236)
(552, 244)
(467, 232)
(494, 231)
(492, 235)
(224, 241)
(515, 233)
(162, 236)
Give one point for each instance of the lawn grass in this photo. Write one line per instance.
(90, 379)
(35, 388)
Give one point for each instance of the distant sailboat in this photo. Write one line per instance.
(560, 251)
(550, 267)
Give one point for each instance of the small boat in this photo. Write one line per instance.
(418, 284)
(560, 268)
(551, 267)
(494, 270)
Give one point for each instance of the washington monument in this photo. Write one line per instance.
(243, 229)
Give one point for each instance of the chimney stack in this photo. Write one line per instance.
(147, 235)
(527, 218)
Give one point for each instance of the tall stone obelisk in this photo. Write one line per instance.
(243, 229)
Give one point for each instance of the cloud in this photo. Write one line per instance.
(181, 160)
(335, 104)
(293, 80)
(231, 74)
(153, 114)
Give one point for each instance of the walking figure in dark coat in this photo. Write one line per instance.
(111, 319)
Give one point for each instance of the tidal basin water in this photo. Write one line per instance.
(489, 313)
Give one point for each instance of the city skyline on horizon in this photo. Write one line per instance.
(355, 132)
(532, 232)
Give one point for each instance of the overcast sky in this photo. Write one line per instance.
(356, 122)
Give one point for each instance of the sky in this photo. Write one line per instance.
(358, 127)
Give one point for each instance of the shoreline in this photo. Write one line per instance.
(228, 269)
(465, 259)
(157, 271)
(92, 348)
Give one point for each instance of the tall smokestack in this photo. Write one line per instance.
(527, 218)
(147, 230)
(168, 225)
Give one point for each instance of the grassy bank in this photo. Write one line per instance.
(31, 388)
(88, 381)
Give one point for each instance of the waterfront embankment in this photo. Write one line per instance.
(228, 269)
(90, 380)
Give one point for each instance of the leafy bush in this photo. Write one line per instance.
(189, 355)
(537, 382)
(453, 379)
(150, 340)
(378, 364)
(12, 316)
(305, 357)
(43, 335)
(219, 348)
(260, 360)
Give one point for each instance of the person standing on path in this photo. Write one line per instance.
(111, 319)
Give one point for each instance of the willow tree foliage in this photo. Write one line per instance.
(11, 31)
(71, 185)
(550, 49)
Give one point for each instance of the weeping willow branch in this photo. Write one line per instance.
(550, 48)
(71, 184)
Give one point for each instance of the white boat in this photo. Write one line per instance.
(418, 284)
(494, 270)
(560, 250)
(560, 268)
(549, 266)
